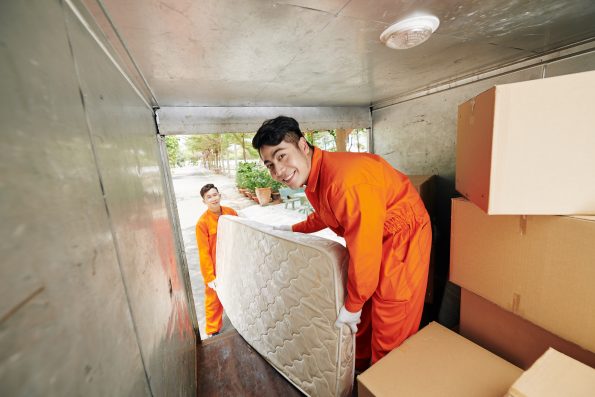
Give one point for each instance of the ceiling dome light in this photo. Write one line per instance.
(409, 32)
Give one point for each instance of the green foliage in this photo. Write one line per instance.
(173, 150)
(212, 149)
(276, 186)
(309, 135)
(244, 141)
(252, 175)
(244, 175)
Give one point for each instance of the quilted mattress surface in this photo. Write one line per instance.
(282, 292)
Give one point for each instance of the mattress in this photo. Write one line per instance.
(282, 292)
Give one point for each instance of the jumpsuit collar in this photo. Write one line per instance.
(314, 170)
(214, 215)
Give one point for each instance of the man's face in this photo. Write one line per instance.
(287, 162)
(212, 199)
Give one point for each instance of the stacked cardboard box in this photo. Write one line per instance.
(555, 374)
(510, 336)
(528, 148)
(438, 362)
(525, 155)
(538, 271)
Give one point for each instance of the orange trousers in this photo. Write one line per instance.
(213, 311)
(394, 312)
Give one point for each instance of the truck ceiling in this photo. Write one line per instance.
(305, 53)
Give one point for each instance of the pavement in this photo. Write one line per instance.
(187, 182)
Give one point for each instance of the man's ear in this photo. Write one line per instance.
(303, 145)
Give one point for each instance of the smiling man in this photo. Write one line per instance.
(383, 220)
(206, 239)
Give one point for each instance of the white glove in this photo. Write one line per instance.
(213, 285)
(286, 228)
(348, 318)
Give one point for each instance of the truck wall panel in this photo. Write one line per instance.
(92, 302)
(60, 275)
(123, 135)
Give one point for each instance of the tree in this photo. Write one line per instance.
(207, 148)
(325, 140)
(214, 151)
(354, 140)
(309, 135)
(173, 150)
(341, 135)
(240, 139)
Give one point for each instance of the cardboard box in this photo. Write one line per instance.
(529, 148)
(426, 187)
(509, 336)
(539, 267)
(555, 374)
(438, 362)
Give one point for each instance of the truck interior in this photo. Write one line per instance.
(96, 297)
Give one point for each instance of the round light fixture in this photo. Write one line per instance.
(409, 32)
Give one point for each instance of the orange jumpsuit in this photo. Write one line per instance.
(388, 234)
(206, 238)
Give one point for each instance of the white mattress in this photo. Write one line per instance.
(282, 292)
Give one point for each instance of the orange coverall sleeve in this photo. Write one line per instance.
(361, 211)
(207, 267)
(313, 223)
(232, 212)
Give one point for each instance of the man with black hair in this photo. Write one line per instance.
(383, 220)
(206, 239)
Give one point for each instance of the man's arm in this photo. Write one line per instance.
(361, 211)
(206, 262)
(313, 223)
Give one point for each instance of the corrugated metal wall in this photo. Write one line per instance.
(92, 300)
(419, 136)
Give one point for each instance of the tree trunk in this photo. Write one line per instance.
(244, 145)
(235, 159)
(341, 135)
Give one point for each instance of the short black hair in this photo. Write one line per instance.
(273, 131)
(206, 188)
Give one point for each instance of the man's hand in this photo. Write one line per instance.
(286, 228)
(213, 285)
(348, 318)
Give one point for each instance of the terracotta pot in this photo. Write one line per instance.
(263, 194)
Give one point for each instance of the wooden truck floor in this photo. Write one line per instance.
(228, 366)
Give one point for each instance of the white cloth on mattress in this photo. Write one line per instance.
(282, 292)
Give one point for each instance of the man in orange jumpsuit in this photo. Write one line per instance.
(206, 238)
(383, 220)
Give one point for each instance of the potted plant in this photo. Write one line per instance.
(262, 186)
(244, 178)
(257, 183)
(275, 186)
